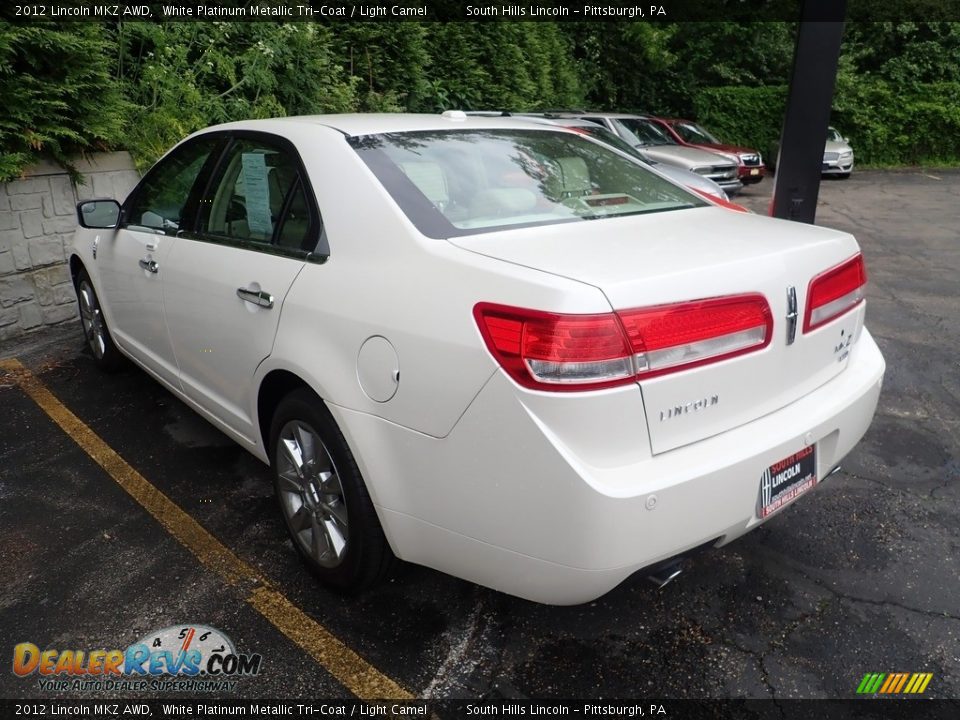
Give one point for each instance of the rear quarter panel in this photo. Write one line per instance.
(384, 278)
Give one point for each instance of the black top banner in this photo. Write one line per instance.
(502, 709)
(481, 11)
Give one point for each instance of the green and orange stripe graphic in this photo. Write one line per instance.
(890, 683)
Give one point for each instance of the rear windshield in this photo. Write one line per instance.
(461, 182)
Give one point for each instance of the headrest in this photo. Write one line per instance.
(429, 179)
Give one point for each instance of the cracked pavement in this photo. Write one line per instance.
(861, 576)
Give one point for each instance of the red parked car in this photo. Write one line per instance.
(750, 167)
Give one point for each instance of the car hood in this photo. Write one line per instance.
(837, 146)
(691, 179)
(723, 147)
(684, 156)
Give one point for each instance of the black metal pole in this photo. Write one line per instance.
(807, 115)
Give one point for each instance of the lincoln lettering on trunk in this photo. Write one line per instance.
(690, 407)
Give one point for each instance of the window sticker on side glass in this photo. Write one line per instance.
(257, 193)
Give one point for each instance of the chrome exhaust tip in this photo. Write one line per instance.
(663, 576)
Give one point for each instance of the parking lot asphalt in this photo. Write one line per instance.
(862, 576)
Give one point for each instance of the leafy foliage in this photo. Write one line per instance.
(911, 125)
(385, 64)
(501, 66)
(661, 68)
(916, 124)
(58, 96)
(76, 87)
(184, 76)
(750, 116)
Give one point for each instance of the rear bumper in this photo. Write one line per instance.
(504, 502)
(749, 174)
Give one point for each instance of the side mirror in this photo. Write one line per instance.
(98, 214)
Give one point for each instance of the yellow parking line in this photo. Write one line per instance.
(352, 671)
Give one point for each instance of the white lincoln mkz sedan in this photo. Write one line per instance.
(506, 352)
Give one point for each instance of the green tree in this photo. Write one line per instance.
(904, 52)
(500, 66)
(661, 67)
(386, 64)
(185, 76)
(58, 96)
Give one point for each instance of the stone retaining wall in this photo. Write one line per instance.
(37, 220)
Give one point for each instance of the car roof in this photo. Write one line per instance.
(605, 114)
(359, 124)
(545, 117)
(558, 121)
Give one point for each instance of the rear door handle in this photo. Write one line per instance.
(257, 297)
(149, 265)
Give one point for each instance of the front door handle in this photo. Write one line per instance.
(149, 265)
(257, 297)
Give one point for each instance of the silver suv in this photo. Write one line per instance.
(656, 145)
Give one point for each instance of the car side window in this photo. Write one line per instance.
(255, 197)
(294, 232)
(163, 201)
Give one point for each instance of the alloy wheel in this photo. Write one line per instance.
(311, 495)
(92, 319)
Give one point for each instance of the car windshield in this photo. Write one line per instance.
(833, 135)
(609, 138)
(461, 182)
(646, 131)
(693, 133)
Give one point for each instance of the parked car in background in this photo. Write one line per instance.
(837, 155)
(689, 179)
(656, 144)
(498, 349)
(750, 167)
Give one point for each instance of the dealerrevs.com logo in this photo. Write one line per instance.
(180, 658)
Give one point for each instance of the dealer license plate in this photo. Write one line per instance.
(786, 480)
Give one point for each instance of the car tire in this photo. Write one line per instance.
(323, 498)
(94, 324)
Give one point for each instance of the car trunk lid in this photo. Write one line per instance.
(681, 256)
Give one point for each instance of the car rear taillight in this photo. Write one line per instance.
(674, 337)
(550, 351)
(834, 292)
(556, 352)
